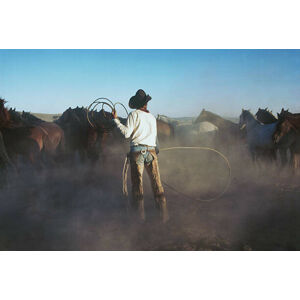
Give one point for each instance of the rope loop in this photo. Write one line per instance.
(126, 166)
(104, 101)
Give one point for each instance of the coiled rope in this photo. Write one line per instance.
(104, 101)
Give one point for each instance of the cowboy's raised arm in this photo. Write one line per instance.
(127, 129)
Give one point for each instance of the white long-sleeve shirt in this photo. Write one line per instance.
(140, 128)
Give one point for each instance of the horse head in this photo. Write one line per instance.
(243, 119)
(285, 132)
(283, 114)
(265, 116)
(204, 116)
(102, 120)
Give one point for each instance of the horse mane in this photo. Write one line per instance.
(248, 113)
(16, 118)
(286, 113)
(78, 116)
(167, 120)
(27, 116)
(215, 119)
(265, 116)
(71, 115)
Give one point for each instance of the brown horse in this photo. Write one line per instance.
(285, 113)
(54, 141)
(287, 135)
(165, 131)
(27, 138)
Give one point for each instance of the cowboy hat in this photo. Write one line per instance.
(139, 99)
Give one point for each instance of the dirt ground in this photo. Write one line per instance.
(80, 207)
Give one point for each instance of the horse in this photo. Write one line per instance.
(167, 120)
(266, 117)
(259, 136)
(83, 137)
(20, 139)
(287, 135)
(228, 132)
(165, 129)
(54, 142)
(5, 161)
(285, 113)
(203, 133)
(28, 139)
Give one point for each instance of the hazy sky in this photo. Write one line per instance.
(181, 82)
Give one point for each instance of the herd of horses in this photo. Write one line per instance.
(267, 135)
(24, 138)
(264, 135)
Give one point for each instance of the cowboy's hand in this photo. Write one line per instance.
(114, 114)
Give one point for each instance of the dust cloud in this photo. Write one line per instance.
(80, 206)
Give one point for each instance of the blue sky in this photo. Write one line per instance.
(181, 82)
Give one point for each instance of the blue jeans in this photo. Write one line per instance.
(145, 156)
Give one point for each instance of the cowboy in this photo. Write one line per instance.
(142, 131)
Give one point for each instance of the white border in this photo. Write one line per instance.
(149, 24)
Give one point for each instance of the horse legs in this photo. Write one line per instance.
(272, 154)
(35, 159)
(296, 163)
(283, 156)
(292, 151)
(82, 155)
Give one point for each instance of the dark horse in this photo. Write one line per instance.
(5, 161)
(27, 138)
(266, 117)
(259, 136)
(83, 137)
(287, 135)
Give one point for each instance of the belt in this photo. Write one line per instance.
(141, 148)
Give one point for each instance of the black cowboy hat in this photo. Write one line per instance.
(139, 100)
